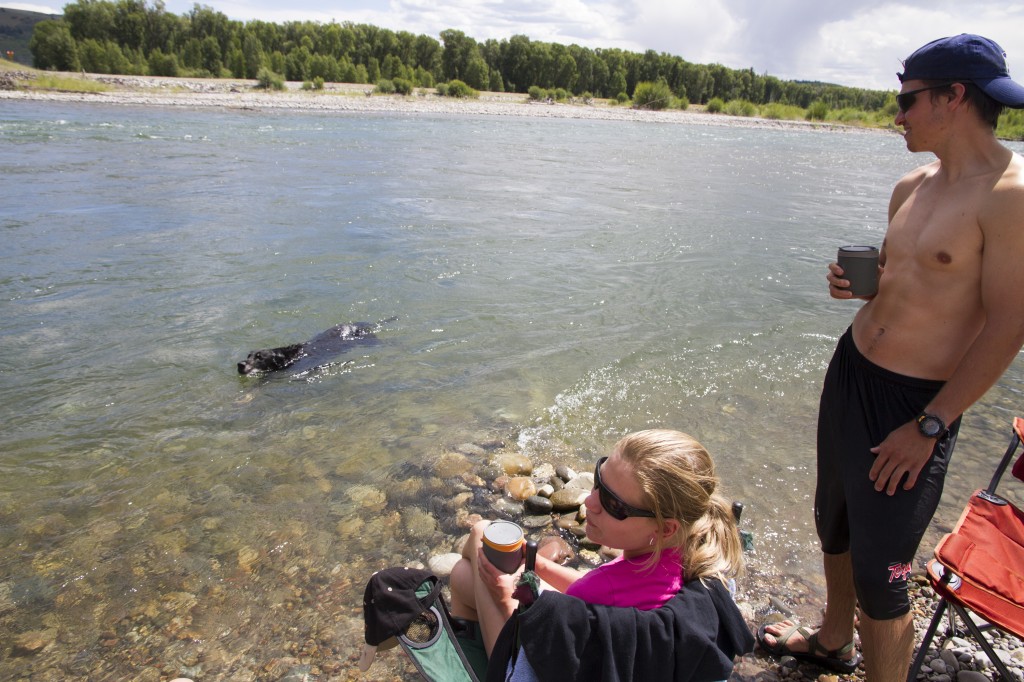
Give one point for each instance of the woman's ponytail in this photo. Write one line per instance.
(678, 478)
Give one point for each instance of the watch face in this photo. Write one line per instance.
(930, 426)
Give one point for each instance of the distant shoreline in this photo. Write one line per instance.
(242, 95)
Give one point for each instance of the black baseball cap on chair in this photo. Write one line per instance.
(390, 604)
(966, 57)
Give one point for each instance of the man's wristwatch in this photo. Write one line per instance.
(930, 425)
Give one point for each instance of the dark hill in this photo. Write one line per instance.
(15, 31)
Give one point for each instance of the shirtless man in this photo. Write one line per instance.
(947, 321)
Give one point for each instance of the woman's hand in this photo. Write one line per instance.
(499, 585)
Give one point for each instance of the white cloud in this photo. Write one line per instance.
(43, 9)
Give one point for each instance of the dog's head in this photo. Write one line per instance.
(270, 359)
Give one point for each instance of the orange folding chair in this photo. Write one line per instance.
(979, 567)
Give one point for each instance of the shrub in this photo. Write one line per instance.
(622, 98)
(537, 93)
(818, 111)
(740, 107)
(683, 103)
(1011, 125)
(782, 112)
(851, 115)
(457, 88)
(649, 95)
(385, 86)
(716, 105)
(318, 83)
(268, 80)
(442, 89)
(559, 94)
(403, 86)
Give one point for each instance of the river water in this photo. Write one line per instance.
(554, 284)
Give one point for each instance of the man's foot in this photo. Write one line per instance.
(790, 639)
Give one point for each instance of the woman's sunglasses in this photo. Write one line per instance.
(611, 502)
(905, 100)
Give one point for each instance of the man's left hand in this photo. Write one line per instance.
(904, 451)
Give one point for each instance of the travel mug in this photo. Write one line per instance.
(503, 545)
(860, 266)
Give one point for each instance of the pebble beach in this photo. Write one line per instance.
(356, 98)
(310, 627)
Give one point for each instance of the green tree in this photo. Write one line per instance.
(252, 53)
(296, 64)
(131, 24)
(52, 46)
(563, 68)
(236, 62)
(92, 56)
(423, 78)
(324, 67)
(212, 58)
(90, 19)
(161, 64)
(617, 82)
(477, 75)
(496, 84)
(459, 51)
(516, 64)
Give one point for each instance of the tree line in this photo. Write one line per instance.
(135, 37)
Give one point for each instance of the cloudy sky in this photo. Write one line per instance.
(853, 42)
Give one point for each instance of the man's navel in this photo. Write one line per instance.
(873, 343)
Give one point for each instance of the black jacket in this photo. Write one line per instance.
(692, 638)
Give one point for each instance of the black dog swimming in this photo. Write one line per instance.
(318, 349)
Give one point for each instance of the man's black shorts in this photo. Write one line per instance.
(861, 403)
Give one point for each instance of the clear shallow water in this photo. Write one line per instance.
(556, 283)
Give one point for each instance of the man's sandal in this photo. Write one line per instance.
(833, 660)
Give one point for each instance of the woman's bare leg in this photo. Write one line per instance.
(470, 597)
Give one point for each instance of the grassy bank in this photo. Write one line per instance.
(43, 80)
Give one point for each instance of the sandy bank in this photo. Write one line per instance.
(241, 94)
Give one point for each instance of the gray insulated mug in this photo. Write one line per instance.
(860, 266)
(503, 545)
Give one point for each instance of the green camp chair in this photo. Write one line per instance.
(405, 606)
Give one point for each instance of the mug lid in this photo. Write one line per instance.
(855, 251)
(503, 534)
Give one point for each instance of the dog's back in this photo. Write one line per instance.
(321, 347)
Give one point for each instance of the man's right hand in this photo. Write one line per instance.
(837, 286)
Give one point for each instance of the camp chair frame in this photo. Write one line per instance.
(947, 583)
(439, 657)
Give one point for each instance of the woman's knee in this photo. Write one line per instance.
(475, 539)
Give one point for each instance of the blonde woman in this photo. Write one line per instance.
(656, 498)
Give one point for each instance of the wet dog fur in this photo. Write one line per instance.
(321, 347)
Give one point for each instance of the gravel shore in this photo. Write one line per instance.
(341, 97)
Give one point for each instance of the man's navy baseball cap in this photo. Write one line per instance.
(966, 57)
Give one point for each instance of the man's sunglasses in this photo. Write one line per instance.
(905, 100)
(611, 502)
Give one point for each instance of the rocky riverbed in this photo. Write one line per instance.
(287, 610)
